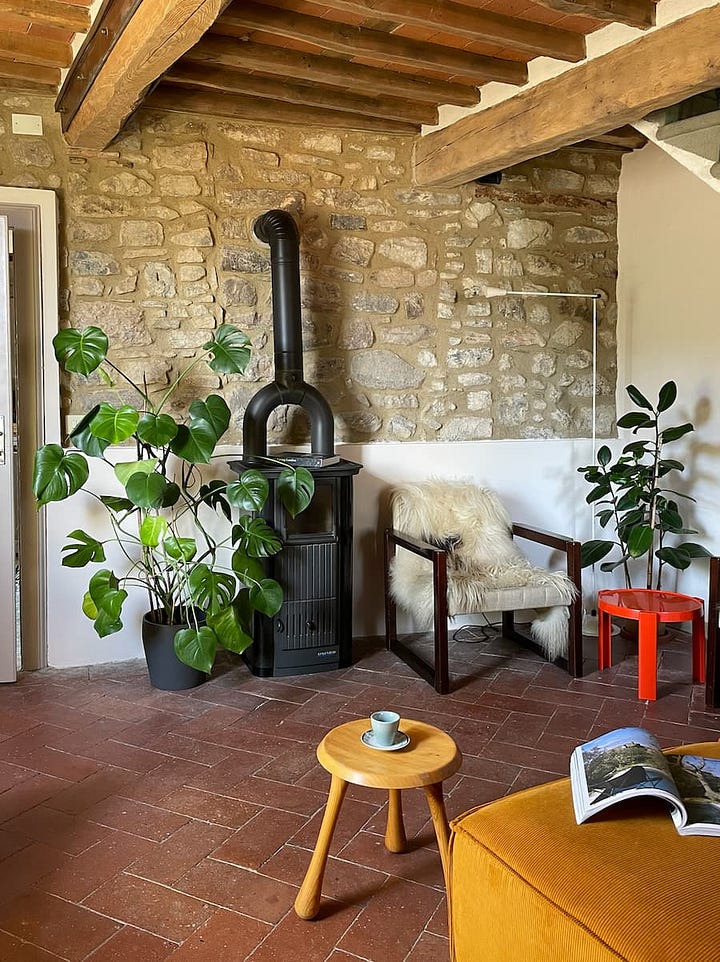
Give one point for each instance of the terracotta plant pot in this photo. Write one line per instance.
(166, 670)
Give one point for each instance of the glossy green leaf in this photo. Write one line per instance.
(117, 505)
(214, 411)
(171, 495)
(81, 351)
(146, 490)
(114, 425)
(593, 551)
(83, 551)
(604, 455)
(640, 540)
(249, 492)
(256, 538)
(249, 570)
(124, 471)
(211, 590)
(230, 350)
(106, 624)
(83, 438)
(672, 434)
(195, 442)
(267, 597)
(57, 475)
(636, 419)
(295, 487)
(196, 647)
(152, 530)
(156, 430)
(667, 395)
(214, 494)
(675, 556)
(638, 398)
(230, 629)
(180, 549)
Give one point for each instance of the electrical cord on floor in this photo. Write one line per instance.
(474, 634)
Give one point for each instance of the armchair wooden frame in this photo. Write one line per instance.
(437, 674)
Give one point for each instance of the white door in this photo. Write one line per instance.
(8, 540)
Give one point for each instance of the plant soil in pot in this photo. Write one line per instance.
(166, 670)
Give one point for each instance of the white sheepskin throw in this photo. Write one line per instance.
(486, 569)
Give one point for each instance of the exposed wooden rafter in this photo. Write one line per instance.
(355, 41)
(25, 47)
(30, 76)
(635, 13)
(463, 20)
(132, 43)
(170, 97)
(660, 68)
(310, 95)
(331, 71)
(73, 16)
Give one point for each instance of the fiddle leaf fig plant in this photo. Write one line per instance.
(161, 514)
(632, 495)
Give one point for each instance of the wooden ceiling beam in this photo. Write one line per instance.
(353, 41)
(310, 95)
(635, 13)
(626, 137)
(29, 75)
(131, 44)
(25, 47)
(331, 71)
(73, 16)
(171, 98)
(660, 68)
(463, 20)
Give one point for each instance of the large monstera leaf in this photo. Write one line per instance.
(195, 441)
(256, 538)
(249, 492)
(196, 647)
(57, 475)
(81, 351)
(114, 424)
(230, 350)
(211, 590)
(215, 411)
(103, 602)
(296, 488)
(83, 438)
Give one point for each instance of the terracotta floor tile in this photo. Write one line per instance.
(135, 817)
(389, 927)
(77, 878)
(312, 941)
(17, 951)
(219, 809)
(232, 887)
(170, 859)
(225, 937)
(69, 833)
(70, 931)
(260, 838)
(209, 822)
(156, 909)
(133, 944)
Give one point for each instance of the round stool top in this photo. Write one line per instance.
(430, 757)
(647, 600)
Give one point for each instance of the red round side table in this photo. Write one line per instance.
(649, 608)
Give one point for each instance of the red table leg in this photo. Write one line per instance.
(604, 638)
(647, 655)
(698, 647)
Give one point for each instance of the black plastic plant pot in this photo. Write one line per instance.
(166, 670)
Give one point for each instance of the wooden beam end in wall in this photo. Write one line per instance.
(133, 44)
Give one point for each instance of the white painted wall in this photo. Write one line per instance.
(668, 298)
(668, 308)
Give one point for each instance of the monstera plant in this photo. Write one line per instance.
(632, 495)
(162, 516)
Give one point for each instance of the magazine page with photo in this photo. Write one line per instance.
(698, 783)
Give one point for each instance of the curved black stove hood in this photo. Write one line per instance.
(278, 229)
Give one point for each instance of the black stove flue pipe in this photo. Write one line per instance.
(278, 229)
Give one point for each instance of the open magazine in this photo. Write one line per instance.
(629, 763)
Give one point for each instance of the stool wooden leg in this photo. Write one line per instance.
(395, 840)
(307, 903)
(436, 804)
(698, 647)
(604, 640)
(647, 656)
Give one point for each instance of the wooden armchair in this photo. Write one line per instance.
(441, 550)
(712, 684)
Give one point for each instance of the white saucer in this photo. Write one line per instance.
(401, 740)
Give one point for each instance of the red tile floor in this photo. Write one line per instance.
(148, 826)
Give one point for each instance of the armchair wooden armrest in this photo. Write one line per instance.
(712, 685)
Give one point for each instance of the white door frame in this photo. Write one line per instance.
(42, 206)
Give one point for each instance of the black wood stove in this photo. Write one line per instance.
(313, 629)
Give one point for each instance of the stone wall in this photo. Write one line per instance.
(157, 248)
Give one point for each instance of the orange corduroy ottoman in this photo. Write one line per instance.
(529, 885)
